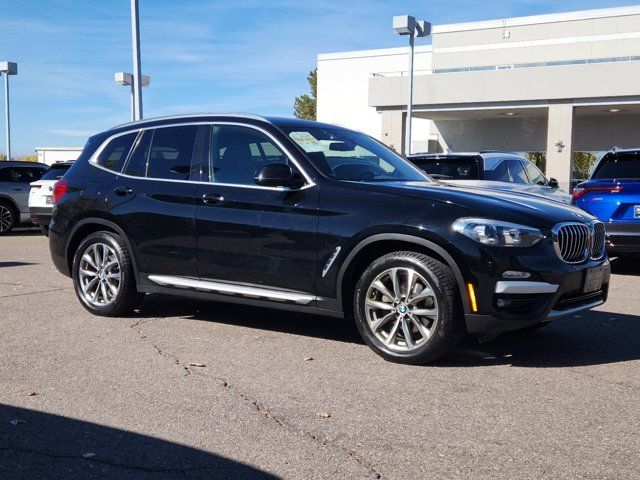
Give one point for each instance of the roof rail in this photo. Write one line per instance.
(192, 115)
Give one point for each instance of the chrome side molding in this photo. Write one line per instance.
(525, 287)
(232, 289)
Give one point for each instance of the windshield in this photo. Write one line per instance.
(449, 168)
(353, 156)
(619, 165)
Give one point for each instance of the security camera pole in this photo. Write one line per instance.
(8, 68)
(408, 25)
(125, 78)
(137, 76)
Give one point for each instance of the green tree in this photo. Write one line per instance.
(582, 163)
(305, 105)
(28, 158)
(539, 159)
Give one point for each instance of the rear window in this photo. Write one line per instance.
(453, 168)
(115, 152)
(619, 165)
(56, 172)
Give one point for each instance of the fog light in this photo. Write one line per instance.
(514, 275)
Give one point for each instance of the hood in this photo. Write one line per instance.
(525, 209)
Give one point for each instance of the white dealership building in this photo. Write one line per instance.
(558, 83)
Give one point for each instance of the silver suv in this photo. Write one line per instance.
(15, 178)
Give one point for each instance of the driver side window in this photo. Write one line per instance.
(237, 153)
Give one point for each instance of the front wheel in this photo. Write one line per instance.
(103, 275)
(407, 308)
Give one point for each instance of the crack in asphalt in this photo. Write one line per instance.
(104, 461)
(136, 326)
(35, 293)
(258, 406)
(283, 423)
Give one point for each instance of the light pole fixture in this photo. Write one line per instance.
(137, 75)
(124, 78)
(408, 25)
(8, 68)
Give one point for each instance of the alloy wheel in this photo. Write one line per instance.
(99, 274)
(401, 309)
(6, 218)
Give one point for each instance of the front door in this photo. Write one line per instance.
(265, 236)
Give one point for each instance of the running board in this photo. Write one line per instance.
(232, 289)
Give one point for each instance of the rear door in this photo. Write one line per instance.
(154, 200)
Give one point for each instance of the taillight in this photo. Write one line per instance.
(582, 191)
(59, 190)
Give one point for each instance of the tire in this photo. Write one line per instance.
(8, 217)
(444, 324)
(116, 269)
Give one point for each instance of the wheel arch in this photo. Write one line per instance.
(377, 245)
(86, 227)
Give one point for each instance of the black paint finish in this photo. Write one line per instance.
(302, 239)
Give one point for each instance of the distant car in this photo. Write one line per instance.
(490, 170)
(15, 178)
(41, 192)
(613, 195)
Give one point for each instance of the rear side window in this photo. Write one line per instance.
(462, 168)
(115, 153)
(171, 152)
(21, 174)
(56, 172)
(137, 164)
(620, 165)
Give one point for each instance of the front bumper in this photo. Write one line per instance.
(623, 238)
(554, 288)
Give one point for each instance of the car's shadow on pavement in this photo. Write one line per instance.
(42, 445)
(591, 338)
(626, 266)
(24, 232)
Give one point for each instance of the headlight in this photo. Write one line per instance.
(496, 233)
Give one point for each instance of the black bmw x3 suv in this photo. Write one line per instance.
(306, 216)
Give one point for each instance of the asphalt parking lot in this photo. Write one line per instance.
(187, 389)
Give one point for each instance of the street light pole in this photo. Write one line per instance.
(8, 68)
(137, 80)
(125, 78)
(407, 147)
(407, 25)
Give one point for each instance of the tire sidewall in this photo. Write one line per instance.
(14, 217)
(446, 310)
(106, 238)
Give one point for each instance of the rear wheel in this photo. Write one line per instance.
(103, 275)
(8, 217)
(407, 308)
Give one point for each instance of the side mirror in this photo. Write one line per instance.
(278, 175)
(553, 183)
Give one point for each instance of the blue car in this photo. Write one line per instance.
(613, 195)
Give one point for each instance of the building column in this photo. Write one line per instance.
(392, 133)
(560, 144)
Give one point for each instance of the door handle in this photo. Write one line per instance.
(122, 191)
(17, 189)
(212, 198)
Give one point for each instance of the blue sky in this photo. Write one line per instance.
(202, 55)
